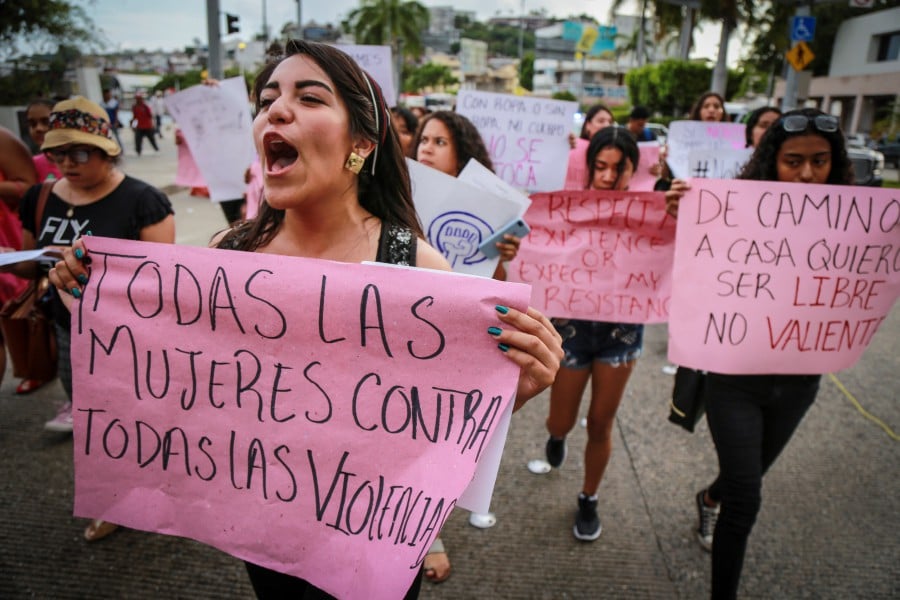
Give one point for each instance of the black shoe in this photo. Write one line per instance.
(587, 523)
(706, 521)
(556, 451)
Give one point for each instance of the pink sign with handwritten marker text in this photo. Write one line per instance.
(598, 255)
(782, 277)
(317, 418)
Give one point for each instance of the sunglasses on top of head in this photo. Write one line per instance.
(798, 123)
(78, 155)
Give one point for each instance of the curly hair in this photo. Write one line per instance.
(384, 187)
(466, 139)
(616, 137)
(763, 165)
(695, 110)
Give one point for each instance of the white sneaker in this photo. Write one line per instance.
(482, 520)
(62, 422)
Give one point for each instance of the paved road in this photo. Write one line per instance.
(828, 528)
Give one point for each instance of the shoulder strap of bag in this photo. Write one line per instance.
(41, 204)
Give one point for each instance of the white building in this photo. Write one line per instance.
(864, 77)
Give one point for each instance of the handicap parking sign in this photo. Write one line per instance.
(803, 29)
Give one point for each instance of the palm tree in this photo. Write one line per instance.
(385, 22)
(398, 23)
(666, 21)
(730, 13)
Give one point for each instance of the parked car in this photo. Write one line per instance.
(891, 153)
(868, 164)
(660, 131)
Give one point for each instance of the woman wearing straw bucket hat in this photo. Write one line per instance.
(93, 197)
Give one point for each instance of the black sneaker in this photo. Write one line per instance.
(556, 451)
(706, 522)
(587, 523)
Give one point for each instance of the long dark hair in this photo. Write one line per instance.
(695, 110)
(385, 193)
(763, 165)
(754, 118)
(612, 137)
(466, 138)
(592, 111)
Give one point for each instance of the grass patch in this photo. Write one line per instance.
(890, 184)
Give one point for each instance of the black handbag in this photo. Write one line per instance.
(688, 398)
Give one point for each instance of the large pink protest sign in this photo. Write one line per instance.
(782, 277)
(317, 418)
(598, 255)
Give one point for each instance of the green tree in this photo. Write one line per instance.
(386, 22)
(429, 77)
(502, 40)
(771, 36)
(526, 71)
(42, 24)
(38, 76)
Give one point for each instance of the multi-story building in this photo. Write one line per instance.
(863, 79)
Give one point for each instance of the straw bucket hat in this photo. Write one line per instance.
(80, 121)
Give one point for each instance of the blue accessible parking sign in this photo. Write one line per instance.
(803, 29)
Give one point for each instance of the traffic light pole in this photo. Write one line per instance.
(214, 40)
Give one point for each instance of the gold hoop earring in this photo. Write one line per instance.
(354, 163)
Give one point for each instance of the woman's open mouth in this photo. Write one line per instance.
(280, 155)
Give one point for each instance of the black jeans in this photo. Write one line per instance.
(140, 134)
(751, 418)
(272, 585)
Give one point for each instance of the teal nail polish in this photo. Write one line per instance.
(501, 309)
(76, 292)
(503, 347)
(88, 233)
(83, 279)
(79, 253)
(495, 331)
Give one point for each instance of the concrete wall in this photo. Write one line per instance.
(856, 44)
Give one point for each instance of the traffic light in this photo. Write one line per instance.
(233, 23)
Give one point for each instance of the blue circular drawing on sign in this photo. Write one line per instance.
(457, 235)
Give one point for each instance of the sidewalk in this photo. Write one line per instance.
(828, 526)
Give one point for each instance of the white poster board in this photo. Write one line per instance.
(687, 136)
(458, 216)
(527, 138)
(377, 61)
(216, 122)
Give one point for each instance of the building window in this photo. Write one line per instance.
(888, 46)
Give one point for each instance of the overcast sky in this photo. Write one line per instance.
(173, 24)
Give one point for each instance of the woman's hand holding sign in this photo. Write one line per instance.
(534, 345)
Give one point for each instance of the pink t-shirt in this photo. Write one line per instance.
(576, 173)
(45, 167)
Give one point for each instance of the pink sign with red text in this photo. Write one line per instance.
(782, 277)
(598, 255)
(317, 418)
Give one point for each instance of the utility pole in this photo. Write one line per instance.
(299, 19)
(214, 42)
(265, 26)
(789, 102)
(640, 40)
(521, 31)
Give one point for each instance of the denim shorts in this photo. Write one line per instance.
(587, 341)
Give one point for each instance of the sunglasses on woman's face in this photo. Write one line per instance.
(797, 123)
(78, 155)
